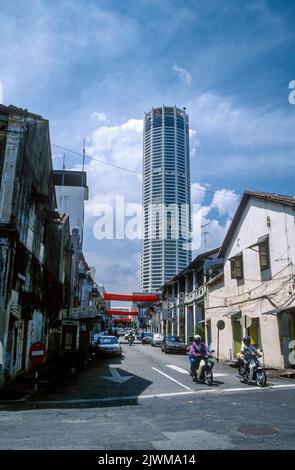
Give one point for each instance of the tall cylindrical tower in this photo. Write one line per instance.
(166, 244)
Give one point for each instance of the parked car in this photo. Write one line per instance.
(106, 346)
(147, 338)
(173, 344)
(121, 331)
(157, 339)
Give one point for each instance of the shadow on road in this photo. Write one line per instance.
(102, 384)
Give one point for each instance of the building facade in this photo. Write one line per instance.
(166, 244)
(33, 239)
(258, 280)
(182, 310)
(71, 192)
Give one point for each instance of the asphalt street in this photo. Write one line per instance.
(147, 400)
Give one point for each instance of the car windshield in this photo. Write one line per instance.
(175, 339)
(148, 334)
(108, 340)
(157, 336)
(95, 337)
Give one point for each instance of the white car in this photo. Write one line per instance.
(157, 339)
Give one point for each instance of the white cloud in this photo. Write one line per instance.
(42, 45)
(198, 192)
(183, 74)
(225, 201)
(119, 273)
(117, 263)
(218, 118)
(99, 117)
(215, 231)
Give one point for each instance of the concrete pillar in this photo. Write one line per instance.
(194, 316)
(198, 313)
(186, 285)
(9, 182)
(5, 273)
(188, 322)
(194, 280)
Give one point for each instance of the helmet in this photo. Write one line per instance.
(247, 340)
(197, 338)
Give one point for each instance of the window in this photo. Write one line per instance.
(236, 267)
(264, 255)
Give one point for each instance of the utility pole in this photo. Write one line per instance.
(205, 233)
(83, 154)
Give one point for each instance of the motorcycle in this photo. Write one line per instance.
(259, 375)
(130, 339)
(207, 374)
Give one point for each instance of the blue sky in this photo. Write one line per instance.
(93, 67)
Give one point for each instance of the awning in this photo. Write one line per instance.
(260, 240)
(275, 311)
(235, 256)
(236, 315)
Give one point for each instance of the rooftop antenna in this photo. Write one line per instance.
(205, 233)
(83, 154)
(64, 162)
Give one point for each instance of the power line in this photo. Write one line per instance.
(96, 159)
(83, 155)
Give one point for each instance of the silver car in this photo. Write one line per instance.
(157, 339)
(108, 346)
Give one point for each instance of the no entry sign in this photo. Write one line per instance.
(37, 353)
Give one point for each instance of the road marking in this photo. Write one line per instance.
(240, 389)
(141, 397)
(282, 386)
(246, 389)
(116, 377)
(171, 378)
(184, 371)
(178, 369)
(107, 399)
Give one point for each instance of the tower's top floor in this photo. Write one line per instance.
(165, 115)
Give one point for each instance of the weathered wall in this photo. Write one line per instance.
(255, 296)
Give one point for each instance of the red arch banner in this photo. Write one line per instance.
(123, 320)
(131, 298)
(121, 312)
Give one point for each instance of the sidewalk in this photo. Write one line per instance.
(22, 387)
(272, 373)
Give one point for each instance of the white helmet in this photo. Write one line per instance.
(197, 337)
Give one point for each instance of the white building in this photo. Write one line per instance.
(166, 247)
(182, 310)
(71, 192)
(258, 281)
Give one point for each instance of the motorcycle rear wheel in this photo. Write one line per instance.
(208, 377)
(261, 378)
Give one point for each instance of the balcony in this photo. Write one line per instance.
(197, 294)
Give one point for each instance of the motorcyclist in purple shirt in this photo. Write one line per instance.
(198, 351)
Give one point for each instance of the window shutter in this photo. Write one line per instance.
(233, 268)
(264, 255)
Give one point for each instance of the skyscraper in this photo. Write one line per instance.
(166, 244)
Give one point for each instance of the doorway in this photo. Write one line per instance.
(237, 336)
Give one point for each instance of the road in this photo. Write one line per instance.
(147, 401)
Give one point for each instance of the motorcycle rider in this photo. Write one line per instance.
(198, 351)
(245, 356)
(131, 336)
